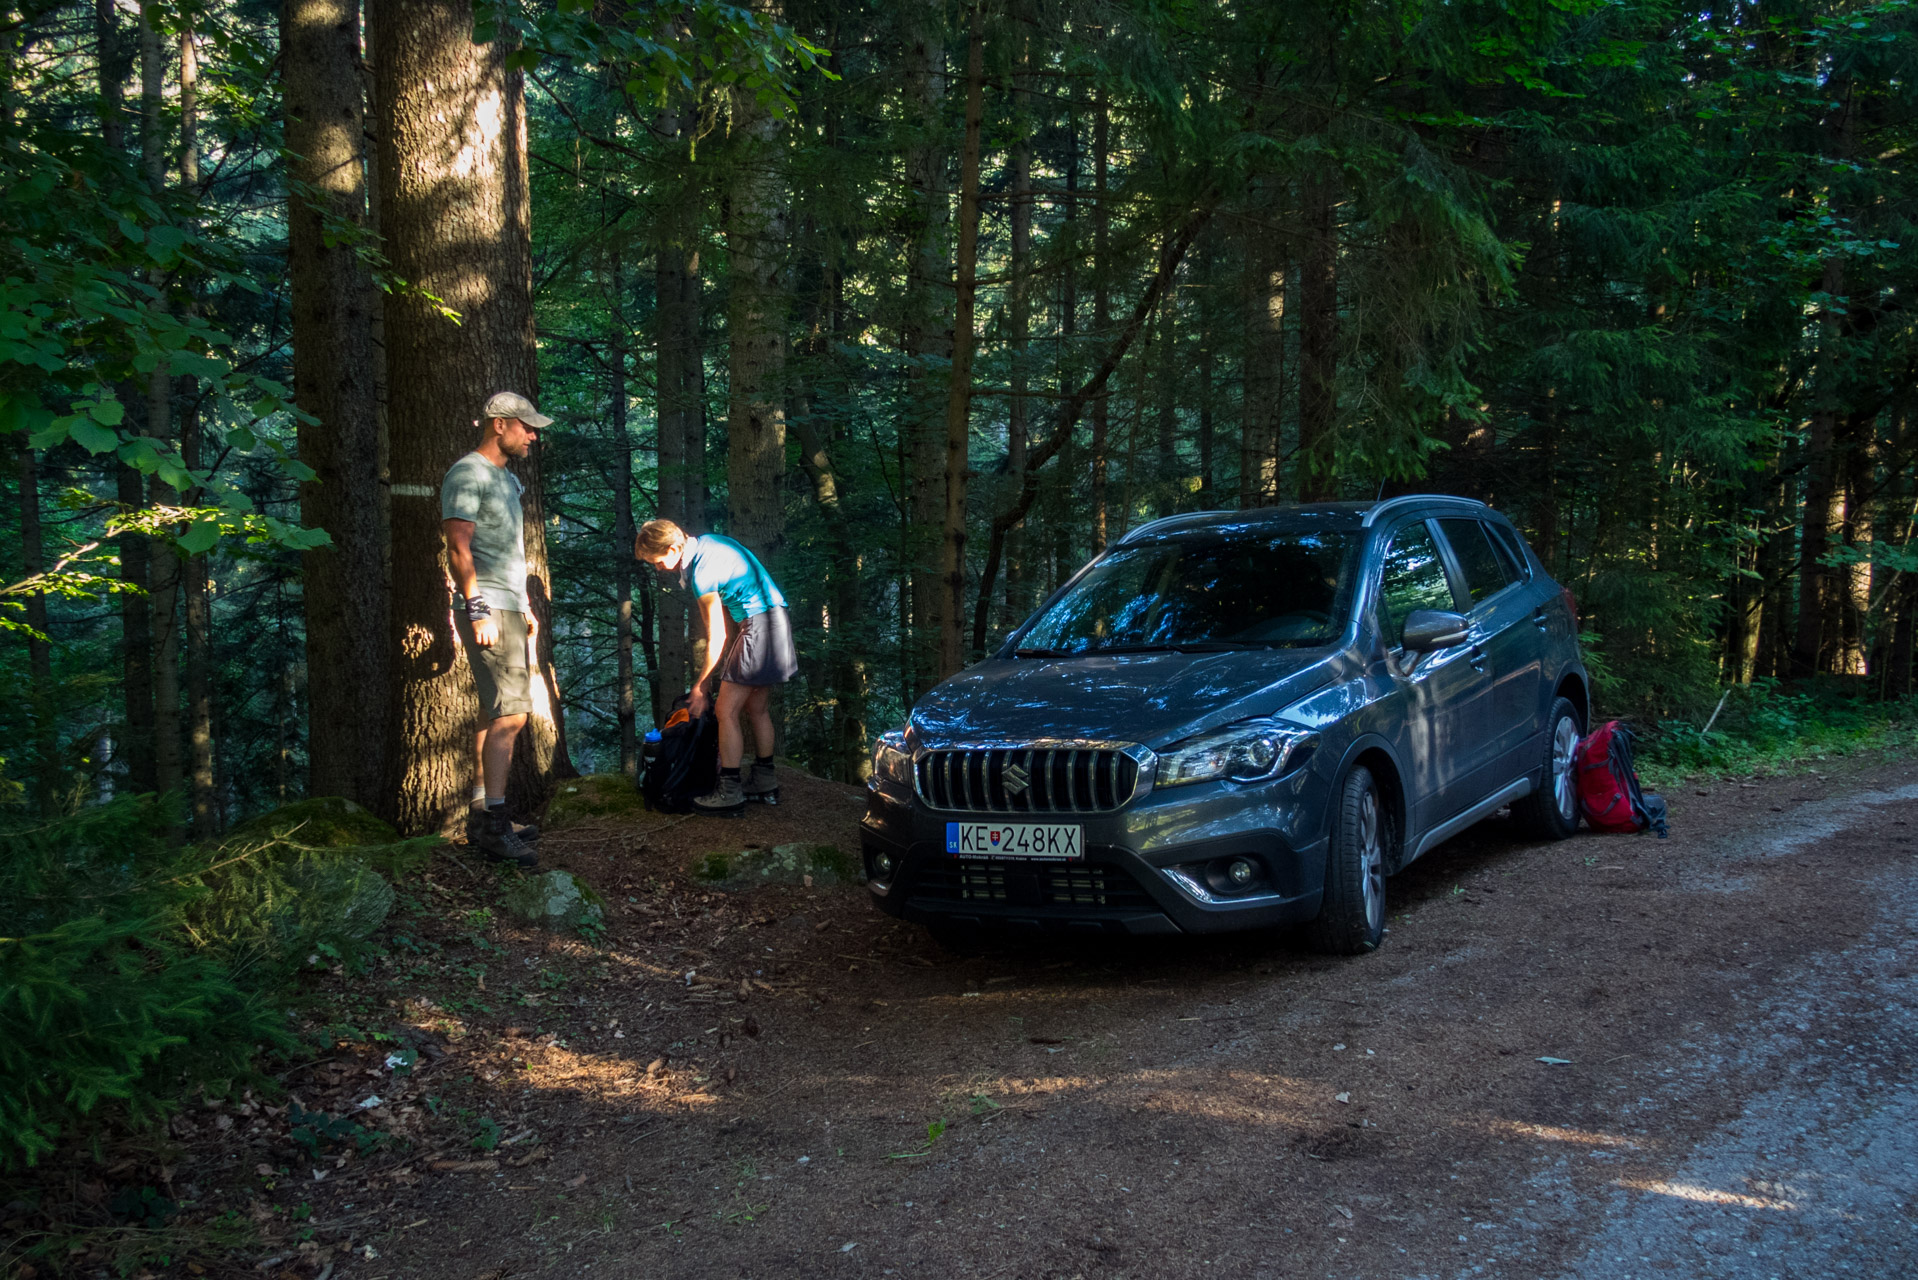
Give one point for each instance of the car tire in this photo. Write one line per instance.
(1351, 919)
(1551, 811)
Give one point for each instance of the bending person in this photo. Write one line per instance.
(730, 582)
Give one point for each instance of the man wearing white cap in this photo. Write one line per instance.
(486, 550)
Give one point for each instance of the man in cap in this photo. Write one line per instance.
(486, 550)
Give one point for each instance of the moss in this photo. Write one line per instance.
(325, 822)
(714, 866)
(598, 795)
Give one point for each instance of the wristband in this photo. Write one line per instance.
(477, 609)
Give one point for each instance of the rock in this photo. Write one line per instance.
(812, 865)
(555, 900)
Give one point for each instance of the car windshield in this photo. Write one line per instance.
(1205, 591)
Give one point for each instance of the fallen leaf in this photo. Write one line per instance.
(580, 1181)
(1341, 1097)
(465, 1166)
(1556, 1062)
(1343, 1210)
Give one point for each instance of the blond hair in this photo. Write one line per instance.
(656, 538)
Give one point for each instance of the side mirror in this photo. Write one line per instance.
(1429, 629)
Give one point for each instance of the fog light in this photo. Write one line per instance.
(882, 865)
(1241, 873)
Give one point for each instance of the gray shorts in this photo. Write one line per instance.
(501, 677)
(762, 652)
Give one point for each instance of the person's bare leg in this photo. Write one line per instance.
(496, 752)
(732, 741)
(759, 715)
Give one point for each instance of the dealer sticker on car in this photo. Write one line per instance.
(1054, 840)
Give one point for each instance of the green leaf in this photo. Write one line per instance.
(242, 439)
(193, 364)
(140, 454)
(51, 434)
(93, 437)
(110, 413)
(199, 537)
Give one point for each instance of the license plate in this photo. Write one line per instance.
(1052, 841)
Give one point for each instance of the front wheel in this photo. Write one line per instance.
(1551, 811)
(1351, 919)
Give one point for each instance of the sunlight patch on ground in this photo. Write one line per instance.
(1558, 1133)
(1707, 1195)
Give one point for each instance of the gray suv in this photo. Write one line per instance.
(1233, 720)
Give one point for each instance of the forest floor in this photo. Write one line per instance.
(1610, 1057)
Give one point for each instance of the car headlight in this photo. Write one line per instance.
(891, 762)
(1246, 752)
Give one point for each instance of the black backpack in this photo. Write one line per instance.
(684, 763)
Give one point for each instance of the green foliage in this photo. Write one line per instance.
(1767, 726)
(138, 968)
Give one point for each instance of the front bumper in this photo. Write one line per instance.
(1138, 875)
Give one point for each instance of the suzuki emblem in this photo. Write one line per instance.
(1016, 780)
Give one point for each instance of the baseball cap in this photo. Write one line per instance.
(511, 404)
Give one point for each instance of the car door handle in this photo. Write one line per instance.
(1541, 619)
(1478, 658)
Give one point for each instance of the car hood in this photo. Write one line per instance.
(1150, 698)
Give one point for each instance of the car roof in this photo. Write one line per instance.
(1313, 515)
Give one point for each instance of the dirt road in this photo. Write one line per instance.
(1612, 1057)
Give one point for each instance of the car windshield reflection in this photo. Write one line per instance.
(1208, 592)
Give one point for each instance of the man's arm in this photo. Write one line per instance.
(459, 557)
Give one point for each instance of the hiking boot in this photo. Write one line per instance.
(761, 787)
(497, 840)
(726, 800)
(476, 820)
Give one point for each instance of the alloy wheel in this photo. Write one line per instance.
(1372, 859)
(1564, 752)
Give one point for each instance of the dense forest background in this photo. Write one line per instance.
(926, 303)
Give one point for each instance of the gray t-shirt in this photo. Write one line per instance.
(476, 490)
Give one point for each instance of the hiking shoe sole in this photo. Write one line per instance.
(763, 797)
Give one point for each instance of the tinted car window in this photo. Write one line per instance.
(1414, 578)
(1225, 590)
(1511, 551)
(1486, 572)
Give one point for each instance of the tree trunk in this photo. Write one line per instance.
(1205, 338)
(756, 323)
(335, 363)
(454, 213)
(623, 532)
(953, 650)
(165, 564)
(1819, 521)
(1101, 306)
(195, 577)
(40, 693)
(1019, 195)
(1318, 343)
(1264, 361)
(928, 346)
(1168, 483)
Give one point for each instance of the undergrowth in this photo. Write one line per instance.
(1768, 727)
(135, 970)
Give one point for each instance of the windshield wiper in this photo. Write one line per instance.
(1183, 646)
(1041, 653)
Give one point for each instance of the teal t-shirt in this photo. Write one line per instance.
(713, 564)
(476, 490)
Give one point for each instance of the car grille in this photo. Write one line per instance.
(1027, 780)
(1017, 884)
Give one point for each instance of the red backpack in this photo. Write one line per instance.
(1608, 791)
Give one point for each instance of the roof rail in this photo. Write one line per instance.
(1390, 505)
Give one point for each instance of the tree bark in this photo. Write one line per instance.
(41, 700)
(623, 530)
(928, 347)
(1018, 341)
(164, 567)
(335, 364)
(1318, 343)
(1264, 261)
(953, 650)
(1101, 306)
(196, 586)
(454, 213)
(756, 321)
